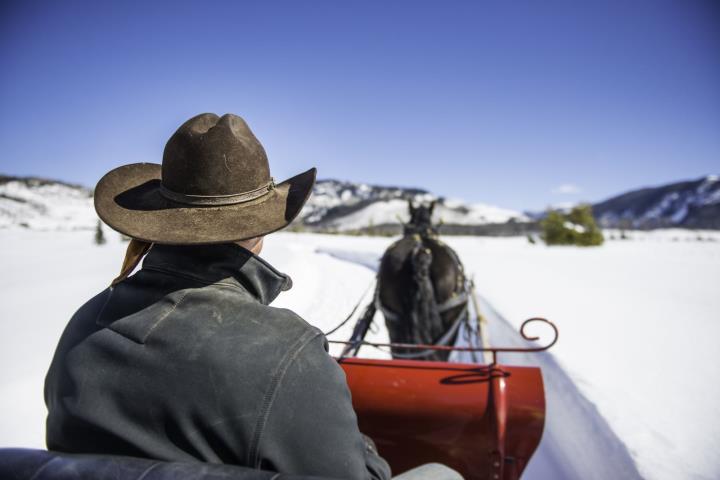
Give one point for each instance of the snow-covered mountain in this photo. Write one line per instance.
(347, 206)
(41, 204)
(691, 204)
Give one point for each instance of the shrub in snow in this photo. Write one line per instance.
(575, 228)
(99, 235)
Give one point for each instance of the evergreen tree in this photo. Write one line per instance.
(99, 235)
(554, 230)
(575, 228)
(588, 232)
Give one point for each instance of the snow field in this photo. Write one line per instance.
(638, 329)
(638, 322)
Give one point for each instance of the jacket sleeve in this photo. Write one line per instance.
(311, 427)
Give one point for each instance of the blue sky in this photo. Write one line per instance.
(519, 104)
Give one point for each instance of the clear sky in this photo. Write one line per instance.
(515, 103)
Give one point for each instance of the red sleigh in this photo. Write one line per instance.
(485, 421)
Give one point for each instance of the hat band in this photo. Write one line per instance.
(216, 200)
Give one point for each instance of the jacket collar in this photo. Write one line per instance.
(216, 263)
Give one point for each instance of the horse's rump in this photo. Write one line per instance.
(418, 275)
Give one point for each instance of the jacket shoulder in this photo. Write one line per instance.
(290, 319)
(258, 332)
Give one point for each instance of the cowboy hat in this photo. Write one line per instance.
(214, 186)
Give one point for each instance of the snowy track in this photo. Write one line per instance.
(577, 441)
(573, 423)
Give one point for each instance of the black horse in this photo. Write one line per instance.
(421, 289)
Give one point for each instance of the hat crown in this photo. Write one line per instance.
(214, 156)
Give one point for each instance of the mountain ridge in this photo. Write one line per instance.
(687, 203)
(343, 206)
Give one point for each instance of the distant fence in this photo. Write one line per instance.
(508, 229)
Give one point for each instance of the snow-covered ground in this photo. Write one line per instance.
(636, 360)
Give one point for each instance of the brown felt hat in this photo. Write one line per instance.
(214, 186)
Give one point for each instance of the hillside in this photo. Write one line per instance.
(344, 206)
(689, 204)
(41, 204)
(338, 206)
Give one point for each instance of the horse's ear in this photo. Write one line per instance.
(411, 207)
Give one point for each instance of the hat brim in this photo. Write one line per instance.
(128, 199)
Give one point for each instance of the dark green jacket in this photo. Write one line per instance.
(185, 361)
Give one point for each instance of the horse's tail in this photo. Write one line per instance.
(424, 313)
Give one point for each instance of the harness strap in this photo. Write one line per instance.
(452, 302)
(443, 341)
(447, 336)
(449, 304)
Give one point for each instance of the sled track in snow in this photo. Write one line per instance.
(577, 442)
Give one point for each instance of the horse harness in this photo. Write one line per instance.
(452, 302)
